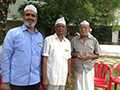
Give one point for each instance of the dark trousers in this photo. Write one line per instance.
(31, 87)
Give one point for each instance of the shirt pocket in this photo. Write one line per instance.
(21, 42)
(66, 52)
(38, 51)
(37, 57)
(90, 49)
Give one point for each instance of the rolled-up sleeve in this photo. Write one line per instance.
(46, 47)
(97, 48)
(70, 52)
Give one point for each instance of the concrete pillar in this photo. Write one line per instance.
(115, 36)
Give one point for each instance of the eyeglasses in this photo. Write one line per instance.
(84, 28)
(28, 14)
(59, 26)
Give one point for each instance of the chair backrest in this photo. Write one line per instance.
(116, 66)
(40, 87)
(101, 70)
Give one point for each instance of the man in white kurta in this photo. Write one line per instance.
(56, 59)
(85, 48)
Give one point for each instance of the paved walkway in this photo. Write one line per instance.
(110, 50)
(107, 50)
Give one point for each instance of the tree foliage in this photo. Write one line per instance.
(98, 13)
(105, 12)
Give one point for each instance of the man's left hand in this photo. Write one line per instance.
(87, 56)
(68, 81)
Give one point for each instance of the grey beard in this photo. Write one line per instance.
(29, 25)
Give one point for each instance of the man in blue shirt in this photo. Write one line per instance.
(21, 54)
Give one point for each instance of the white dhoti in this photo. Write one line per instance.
(55, 87)
(84, 81)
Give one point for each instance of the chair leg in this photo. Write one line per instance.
(115, 86)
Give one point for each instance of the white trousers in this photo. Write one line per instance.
(84, 81)
(55, 87)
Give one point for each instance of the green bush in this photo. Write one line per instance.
(103, 34)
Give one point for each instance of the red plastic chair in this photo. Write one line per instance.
(116, 80)
(101, 70)
(40, 87)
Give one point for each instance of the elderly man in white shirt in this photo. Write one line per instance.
(56, 66)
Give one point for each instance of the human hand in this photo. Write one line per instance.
(87, 56)
(68, 82)
(45, 83)
(79, 56)
(5, 86)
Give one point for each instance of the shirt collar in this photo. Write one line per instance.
(24, 28)
(89, 35)
(55, 36)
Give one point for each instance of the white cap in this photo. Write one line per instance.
(84, 22)
(77, 33)
(90, 29)
(60, 20)
(31, 7)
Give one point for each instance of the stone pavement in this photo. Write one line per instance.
(110, 50)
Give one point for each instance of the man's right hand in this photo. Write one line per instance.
(79, 56)
(5, 86)
(45, 83)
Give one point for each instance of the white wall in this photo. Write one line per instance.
(115, 36)
(14, 8)
(116, 33)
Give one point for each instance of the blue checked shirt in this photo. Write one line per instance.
(21, 57)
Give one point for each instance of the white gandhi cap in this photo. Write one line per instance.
(84, 22)
(90, 29)
(60, 20)
(31, 7)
